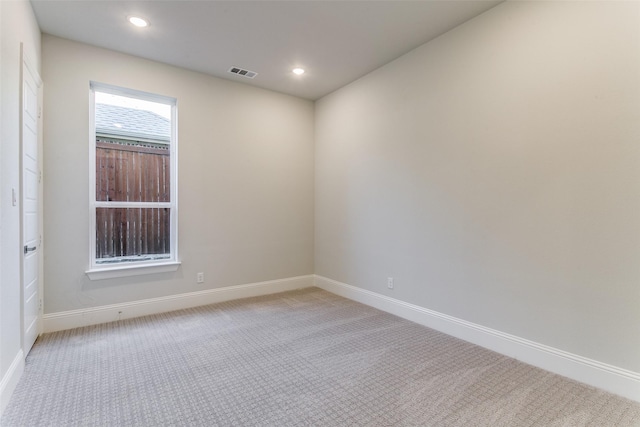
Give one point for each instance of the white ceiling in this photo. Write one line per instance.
(336, 42)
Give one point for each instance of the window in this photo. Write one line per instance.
(133, 199)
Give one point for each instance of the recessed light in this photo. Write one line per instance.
(138, 22)
(298, 71)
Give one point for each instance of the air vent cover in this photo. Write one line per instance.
(242, 72)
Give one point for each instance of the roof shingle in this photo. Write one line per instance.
(131, 123)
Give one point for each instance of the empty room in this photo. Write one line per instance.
(323, 213)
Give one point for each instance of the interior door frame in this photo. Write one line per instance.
(27, 66)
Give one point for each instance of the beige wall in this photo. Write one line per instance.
(495, 173)
(17, 25)
(245, 178)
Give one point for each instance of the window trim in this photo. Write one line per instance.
(98, 271)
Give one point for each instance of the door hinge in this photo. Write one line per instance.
(39, 176)
(40, 306)
(39, 112)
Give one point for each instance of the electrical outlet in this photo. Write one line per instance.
(200, 278)
(390, 282)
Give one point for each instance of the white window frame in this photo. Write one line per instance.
(98, 271)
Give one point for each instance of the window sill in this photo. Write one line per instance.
(132, 270)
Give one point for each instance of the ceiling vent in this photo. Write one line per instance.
(241, 72)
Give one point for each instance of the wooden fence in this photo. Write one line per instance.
(132, 173)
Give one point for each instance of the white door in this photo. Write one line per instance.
(29, 188)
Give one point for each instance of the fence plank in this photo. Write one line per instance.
(135, 174)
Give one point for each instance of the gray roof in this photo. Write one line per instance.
(133, 124)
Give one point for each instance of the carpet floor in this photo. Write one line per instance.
(300, 358)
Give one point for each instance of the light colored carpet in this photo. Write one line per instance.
(302, 358)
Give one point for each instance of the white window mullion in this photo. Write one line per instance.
(133, 204)
(92, 178)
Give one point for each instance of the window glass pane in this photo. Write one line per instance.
(132, 149)
(132, 234)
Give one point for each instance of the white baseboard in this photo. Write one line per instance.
(10, 380)
(616, 380)
(108, 313)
